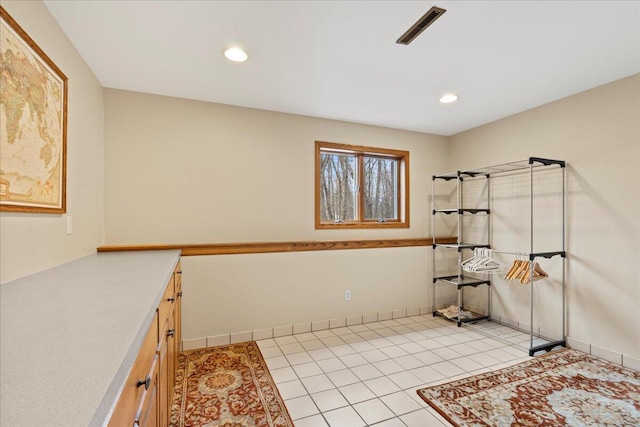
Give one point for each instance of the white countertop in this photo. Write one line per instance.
(69, 335)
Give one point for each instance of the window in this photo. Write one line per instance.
(361, 187)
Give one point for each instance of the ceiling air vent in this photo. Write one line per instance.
(422, 24)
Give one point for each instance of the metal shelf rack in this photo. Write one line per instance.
(459, 280)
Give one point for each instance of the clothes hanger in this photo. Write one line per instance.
(525, 275)
(525, 266)
(478, 256)
(521, 267)
(487, 263)
(477, 259)
(481, 261)
(513, 266)
(538, 273)
(517, 263)
(537, 268)
(468, 261)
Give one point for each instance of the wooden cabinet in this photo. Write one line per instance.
(177, 275)
(173, 336)
(167, 354)
(164, 397)
(148, 410)
(138, 382)
(148, 393)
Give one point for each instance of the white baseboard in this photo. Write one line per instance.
(319, 325)
(585, 347)
(301, 328)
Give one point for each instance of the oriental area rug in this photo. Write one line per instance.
(566, 388)
(226, 386)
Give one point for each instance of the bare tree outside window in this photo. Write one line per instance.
(380, 188)
(361, 187)
(338, 187)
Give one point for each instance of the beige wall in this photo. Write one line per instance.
(598, 133)
(235, 293)
(33, 242)
(188, 171)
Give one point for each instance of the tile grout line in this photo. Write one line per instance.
(337, 388)
(376, 397)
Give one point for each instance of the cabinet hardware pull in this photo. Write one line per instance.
(146, 383)
(171, 299)
(179, 272)
(171, 332)
(180, 293)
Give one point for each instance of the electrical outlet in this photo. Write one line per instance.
(347, 295)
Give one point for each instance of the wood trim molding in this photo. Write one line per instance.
(268, 247)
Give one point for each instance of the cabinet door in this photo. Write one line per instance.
(178, 309)
(147, 413)
(172, 360)
(163, 392)
(134, 388)
(168, 358)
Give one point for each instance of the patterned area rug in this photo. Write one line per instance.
(567, 388)
(226, 386)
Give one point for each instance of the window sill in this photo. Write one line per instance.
(343, 225)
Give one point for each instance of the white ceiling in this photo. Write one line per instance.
(339, 60)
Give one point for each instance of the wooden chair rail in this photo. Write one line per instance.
(267, 247)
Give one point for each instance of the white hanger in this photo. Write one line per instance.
(471, 260)
(482, 260)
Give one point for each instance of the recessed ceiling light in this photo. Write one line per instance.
(236, 54)
(449, 98)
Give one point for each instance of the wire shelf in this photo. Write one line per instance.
(503, 168)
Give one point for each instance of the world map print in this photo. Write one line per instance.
(32, 124)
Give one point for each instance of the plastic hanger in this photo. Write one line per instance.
(487, 263)
(468, 261)
(482, 260)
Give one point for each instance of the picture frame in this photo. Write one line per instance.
(33, 125)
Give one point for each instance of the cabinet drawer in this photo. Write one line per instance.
(147, 412)
(167, 303)
(141, 372)
(177, 274)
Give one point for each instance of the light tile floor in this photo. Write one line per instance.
(367, 375)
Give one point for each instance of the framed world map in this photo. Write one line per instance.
(33, 125)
